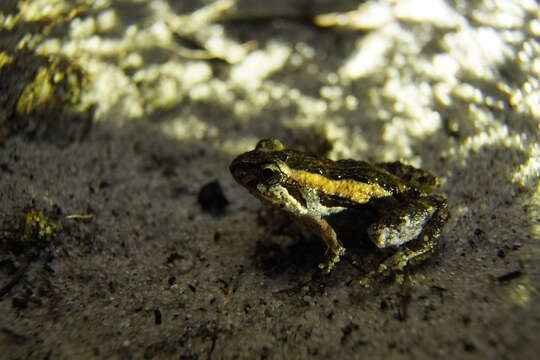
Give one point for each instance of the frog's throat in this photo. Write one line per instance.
(280, 197)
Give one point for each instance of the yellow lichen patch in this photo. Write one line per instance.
(522, 294)
(37, 224)
(348, 189)
(5, 59)
(37, 94)
(55, 87)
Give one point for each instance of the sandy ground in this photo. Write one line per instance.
(109, 248)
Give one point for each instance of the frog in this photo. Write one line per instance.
(391, 204)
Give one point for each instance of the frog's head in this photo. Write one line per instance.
(259, 166)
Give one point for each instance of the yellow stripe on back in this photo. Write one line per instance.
(348, 189)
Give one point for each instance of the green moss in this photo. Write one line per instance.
(37, 226)
(37, 95)
(40, 98)
(5, 59)
(29, 234)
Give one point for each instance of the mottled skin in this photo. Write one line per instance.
(391, 202)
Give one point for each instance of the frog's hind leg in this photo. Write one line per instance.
(423, 222)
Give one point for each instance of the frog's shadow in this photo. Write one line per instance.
(300, 257)
(303, 256)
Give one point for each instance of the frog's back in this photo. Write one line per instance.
(357, 171)
(414, 177)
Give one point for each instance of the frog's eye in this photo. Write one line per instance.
(270, 175)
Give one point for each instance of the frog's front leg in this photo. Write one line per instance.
(335, 249)
(413, 228)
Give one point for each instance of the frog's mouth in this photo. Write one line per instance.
(251, 184)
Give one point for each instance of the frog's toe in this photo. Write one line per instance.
(396, 263)
(332, 258)
(326, 267)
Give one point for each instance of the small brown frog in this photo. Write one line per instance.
(390, 203)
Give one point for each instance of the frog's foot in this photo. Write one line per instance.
(396, 265)
(396, 262)
(332, 258)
